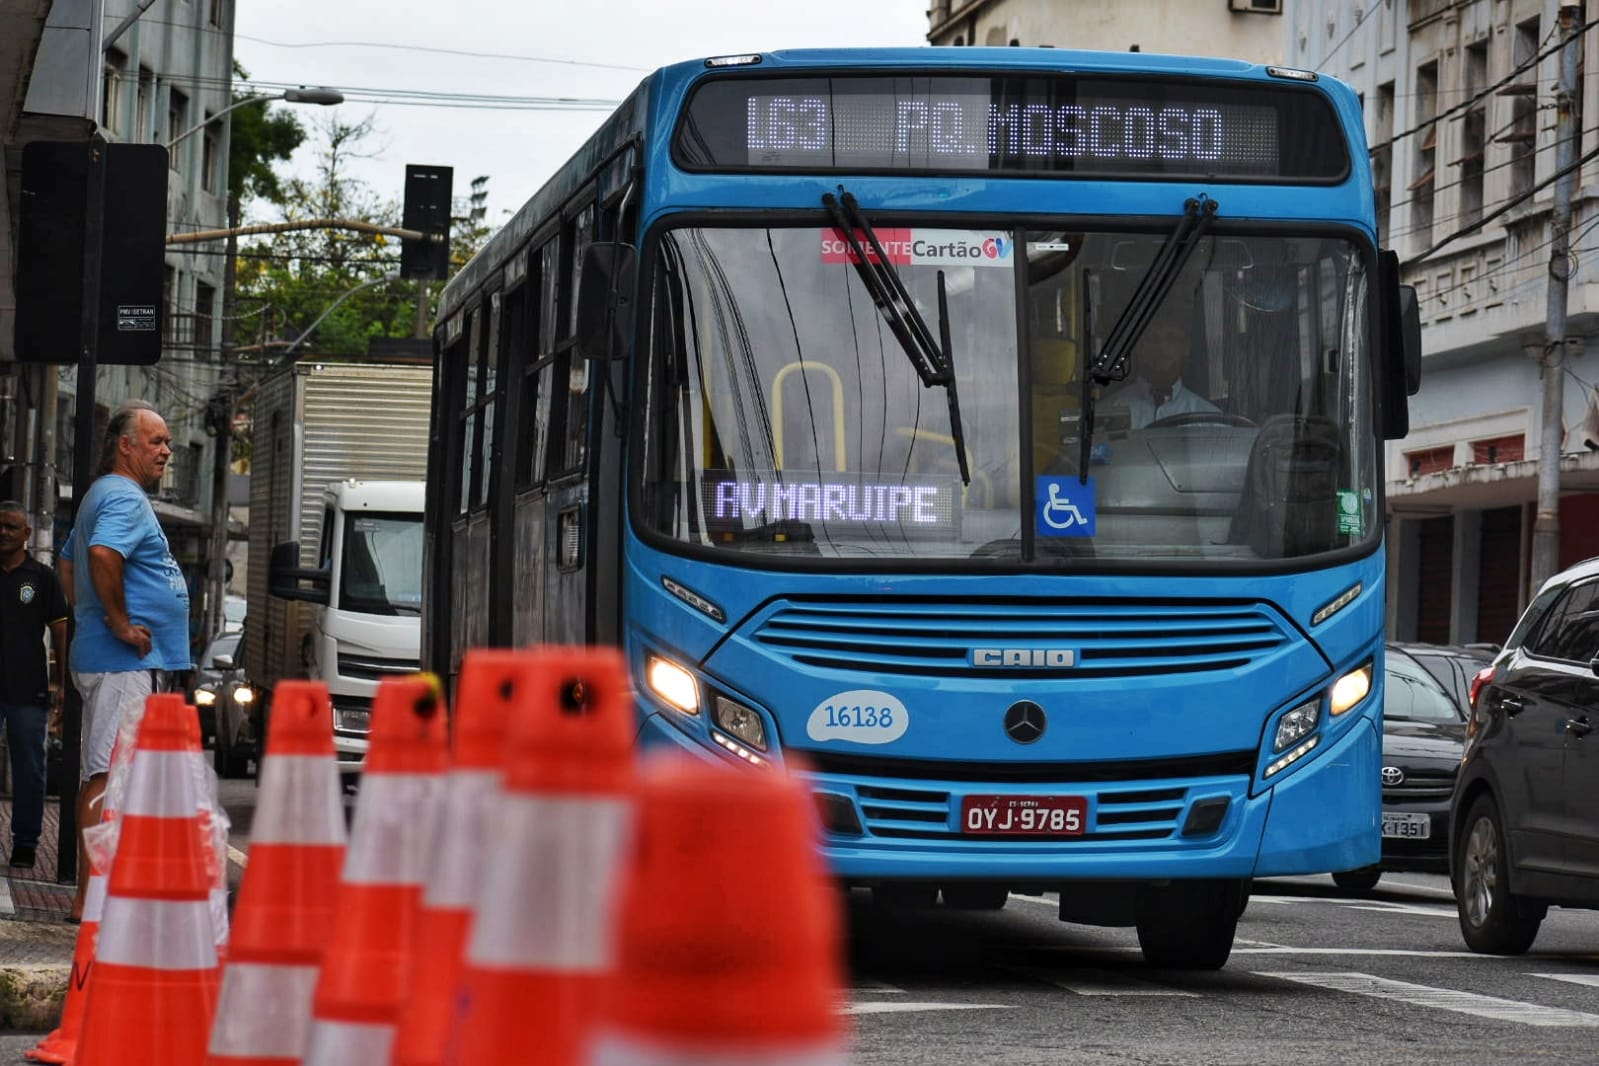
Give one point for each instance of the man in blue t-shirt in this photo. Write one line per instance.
(130, 600)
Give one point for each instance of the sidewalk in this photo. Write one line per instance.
(36, 941)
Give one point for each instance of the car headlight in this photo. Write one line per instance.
(244, 694)
(740, 722)
(1349, 690)
(204, 697)
(673, 684)
(1297, 723)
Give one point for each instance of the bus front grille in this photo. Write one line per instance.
(938, 637)
(927, 814)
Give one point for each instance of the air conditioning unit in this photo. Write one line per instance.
(1256, 7)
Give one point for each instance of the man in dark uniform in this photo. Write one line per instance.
(31, 602)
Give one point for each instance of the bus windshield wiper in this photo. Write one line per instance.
(1114, 360)
(930, 357)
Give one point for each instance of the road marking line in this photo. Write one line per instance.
(869, 985)
(911, 1008)
(1505, 1010)
(1110, 983)
(237, 857)
(1589, 979)
(7, 906)
(1407, 908)
(1079, 949)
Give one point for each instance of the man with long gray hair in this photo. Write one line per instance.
(130, 599)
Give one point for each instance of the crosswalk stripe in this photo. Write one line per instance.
(912, 1008)
(1589, 979)
(1507, 1010)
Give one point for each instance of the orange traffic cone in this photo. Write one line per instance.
(361, 988)
(61, 1044)
(540, 949)
(285, 915)
(729, 946)
(155, 964)
(492, 681)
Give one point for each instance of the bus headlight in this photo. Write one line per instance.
(673, 684)
(1297, 723)
(204, 697)
(740, 721)
(1350, 689)
(244, 694)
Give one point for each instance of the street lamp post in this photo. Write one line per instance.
(324, 97)
(216, 569)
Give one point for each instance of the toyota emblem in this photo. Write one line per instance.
(1024, 722)
(1392, 775)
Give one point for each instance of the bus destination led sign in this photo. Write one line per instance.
(844, 503)
(1063, 124)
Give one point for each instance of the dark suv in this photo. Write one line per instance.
(1524, 818)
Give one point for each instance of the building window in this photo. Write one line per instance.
(1421, 189)
(144, 112)
(205, 310)
(169, 282)
(1382, 160)
(1473, 134)
(1523, 92)
(1429, 460)
(116, 67)
(1507, 449)
(177, 119)
(211, 157)
(214, 13)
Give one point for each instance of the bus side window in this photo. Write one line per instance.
(571, 367)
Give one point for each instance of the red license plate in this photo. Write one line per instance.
(1040, 816)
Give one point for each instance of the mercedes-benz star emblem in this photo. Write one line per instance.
(1392, 775)
(1024, 722)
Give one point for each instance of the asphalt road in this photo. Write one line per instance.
(1315, 977)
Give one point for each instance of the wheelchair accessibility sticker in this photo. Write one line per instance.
(1065, 507)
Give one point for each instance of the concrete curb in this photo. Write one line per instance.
(31, 995)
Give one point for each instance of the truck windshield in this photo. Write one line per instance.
(382, 567)
(783, 418)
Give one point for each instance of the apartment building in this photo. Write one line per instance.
(156, 73)
(1238, 29)
(1459, 99)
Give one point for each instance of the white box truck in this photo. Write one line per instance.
(337, 468)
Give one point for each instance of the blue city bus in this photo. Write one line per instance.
(990, 436)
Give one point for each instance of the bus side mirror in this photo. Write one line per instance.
(1400, 335)
(605, 300)
(284, 575)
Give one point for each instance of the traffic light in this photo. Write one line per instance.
(427, 209)
(91, 246)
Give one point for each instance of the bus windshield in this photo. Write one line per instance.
(784, 418)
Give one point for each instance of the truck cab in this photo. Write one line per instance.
(364, 597)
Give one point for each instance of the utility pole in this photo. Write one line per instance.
(1546, 527)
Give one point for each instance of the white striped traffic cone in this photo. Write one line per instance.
(361, 988)
(540, 947)
(155, 970)
(492, 682)
(285, 914)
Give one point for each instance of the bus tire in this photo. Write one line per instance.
(1190, 925)
(1492, 920)
(976, 897)
(1362, 880)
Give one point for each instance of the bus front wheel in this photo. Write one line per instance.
(1189, 925)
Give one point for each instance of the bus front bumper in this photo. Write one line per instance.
(1323, 815)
